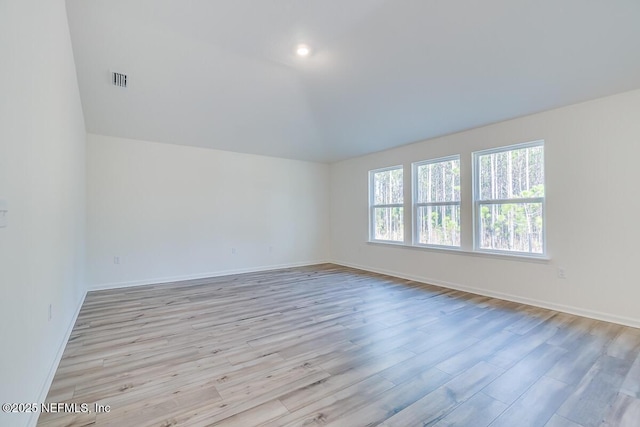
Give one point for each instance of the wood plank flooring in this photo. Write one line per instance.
(332, 346)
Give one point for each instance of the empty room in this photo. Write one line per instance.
(319, 213)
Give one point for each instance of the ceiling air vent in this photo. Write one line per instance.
(119, 79)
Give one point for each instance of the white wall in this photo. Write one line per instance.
(592, 152)
(42, 177)
(172, 212)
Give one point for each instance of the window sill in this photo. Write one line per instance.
(456, 251)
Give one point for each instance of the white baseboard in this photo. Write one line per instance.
(159, 280)
(607, 317)
(54, 366)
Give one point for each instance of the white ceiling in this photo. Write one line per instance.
(383, 73)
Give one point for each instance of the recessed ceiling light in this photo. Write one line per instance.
(303, 50)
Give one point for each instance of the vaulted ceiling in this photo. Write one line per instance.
(382, 73)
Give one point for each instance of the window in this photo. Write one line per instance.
(386, 198)
(436, 186)
(509, 199)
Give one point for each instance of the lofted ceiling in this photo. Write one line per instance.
(382, 73)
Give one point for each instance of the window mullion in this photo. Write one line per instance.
(394, 205)
(438, 204)
(511, 201)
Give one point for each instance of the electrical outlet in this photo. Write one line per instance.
(562, 274)
(233, 251)
(4, 213)
(50, 314)
(116, 260)
(270, 249)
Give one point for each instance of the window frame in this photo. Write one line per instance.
(477, 202)
(373, 206)
(416, 205)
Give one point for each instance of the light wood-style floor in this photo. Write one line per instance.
(332, 346)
